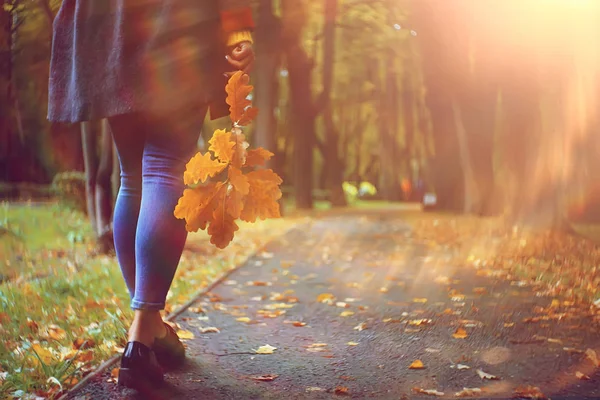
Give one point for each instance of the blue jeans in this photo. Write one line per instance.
(148, 238)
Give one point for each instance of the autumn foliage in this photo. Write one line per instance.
(236, 190)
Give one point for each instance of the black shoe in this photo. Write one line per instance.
(139, 368)
(169, 350)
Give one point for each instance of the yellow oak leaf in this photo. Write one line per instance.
(183, 334)
(417, 364)
(258, 157)
(239, 180)
(221, 145)
(200, 168)
(460, 333)
(266, 349)
(222, 228)
(238, 90)
(40, 353)
(261, 201)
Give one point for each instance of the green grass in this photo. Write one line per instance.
(57, 294)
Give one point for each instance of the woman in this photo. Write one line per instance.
(153, 68)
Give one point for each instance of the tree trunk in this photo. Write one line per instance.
(266, 88)
(333, 163)
(267, 82)
(302, 114)
(6, 125)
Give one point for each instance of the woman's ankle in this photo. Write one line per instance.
(146, 326)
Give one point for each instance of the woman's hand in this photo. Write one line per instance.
(241, 58)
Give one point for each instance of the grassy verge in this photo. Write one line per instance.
(562, 263)
(63, 312)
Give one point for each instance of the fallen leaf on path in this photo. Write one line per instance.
(346, 313)
(468, 392)
(530, 392)
(341, 390)
(461, 367)
(384, 289)
(417, 364)
(341, 304)
(266, 349)
(485, 375)
(258, 283)
(480, 290)
(265, 378)
(572, 350)
(183, 334)
(581, 376)
(593, 357)
(509, 324)
(419, 322)
(297, 324)
(460, 333)
(360, 327)
(430, 350)
(278, 306)
(325, 298)
(210, 329)
(243, 319)
(352, 344)
(269, 314)
(314, 389)
(556, 341)
(419, 300)
(430, 392)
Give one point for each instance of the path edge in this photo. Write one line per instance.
(173, 315)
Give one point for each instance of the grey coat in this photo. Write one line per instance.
(112, 57)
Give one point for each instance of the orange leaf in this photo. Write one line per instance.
(265, 378)
(222, 145)
(530, 392)
(222, 228)
(239, 180)
(249, 115)
(460, 334)
(341, 390)
(258, 157)
(325, 298)
(200, 168)
(234, 203)
(417, 364)
(197, 205)
(261, 201)
(238, 90)
(240, 150)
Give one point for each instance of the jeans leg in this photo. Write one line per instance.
(129, 136)
(160, 236)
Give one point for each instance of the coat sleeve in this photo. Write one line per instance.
(237, 21)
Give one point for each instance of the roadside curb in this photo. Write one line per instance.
(173, 315)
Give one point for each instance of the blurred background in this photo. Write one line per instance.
(486, 107)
